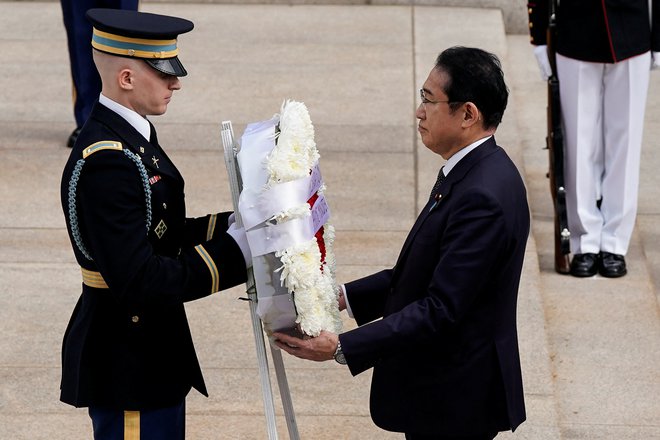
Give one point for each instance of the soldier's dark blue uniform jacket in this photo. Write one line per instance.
(601, 31)
(128, 345)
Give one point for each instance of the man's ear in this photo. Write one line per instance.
(471, 115)
(125, 78)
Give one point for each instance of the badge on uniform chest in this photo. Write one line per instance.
(160, 229)
(154, 159)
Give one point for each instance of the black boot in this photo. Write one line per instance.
(72, 138)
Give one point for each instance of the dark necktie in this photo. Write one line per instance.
(438, 182)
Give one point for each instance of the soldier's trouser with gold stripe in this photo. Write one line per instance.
(159, 424)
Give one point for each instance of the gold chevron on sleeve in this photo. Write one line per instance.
(93, 279)
(213, 218)
(213, 269)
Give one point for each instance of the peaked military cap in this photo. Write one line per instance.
(133, 34)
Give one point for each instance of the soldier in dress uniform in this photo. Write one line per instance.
(128, 353)
(86, 80)
(605, 50)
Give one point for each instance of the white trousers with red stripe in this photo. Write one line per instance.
(603, 114)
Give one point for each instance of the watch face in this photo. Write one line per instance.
(339, 354)
(340, 358)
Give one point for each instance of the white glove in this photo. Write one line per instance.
(238, 234)
(655, 60)
(541, 54)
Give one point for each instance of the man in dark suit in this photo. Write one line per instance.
(445, 353)
(128, 353)
(605, 50)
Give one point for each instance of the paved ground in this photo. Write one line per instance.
(589, 347)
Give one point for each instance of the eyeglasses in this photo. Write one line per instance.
(425, 100)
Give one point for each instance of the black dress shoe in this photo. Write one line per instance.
(584, 265)
(72, 138)
(611, 265)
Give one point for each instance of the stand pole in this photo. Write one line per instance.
(235, 184)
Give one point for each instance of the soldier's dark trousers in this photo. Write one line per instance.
(160, 424)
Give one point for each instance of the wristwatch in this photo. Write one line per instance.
(339, 355)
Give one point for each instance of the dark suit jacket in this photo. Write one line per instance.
(598, 31)
(445, 354)
(129, 346)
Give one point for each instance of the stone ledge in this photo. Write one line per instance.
(513, 12)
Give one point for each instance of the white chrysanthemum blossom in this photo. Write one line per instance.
(300, 265)
(329, 239)
(314, 290)
(295, 120)
(308, 276)
(329, 271)
(295, 153)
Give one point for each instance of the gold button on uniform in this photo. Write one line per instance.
(135, 319)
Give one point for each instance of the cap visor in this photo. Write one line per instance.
(171, 66)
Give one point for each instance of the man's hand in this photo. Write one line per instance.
(320, 348)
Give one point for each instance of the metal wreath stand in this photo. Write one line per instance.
(231, 148)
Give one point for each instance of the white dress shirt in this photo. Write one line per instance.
(138, 122)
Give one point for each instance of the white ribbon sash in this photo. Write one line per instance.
(259, 206)
(275, 237)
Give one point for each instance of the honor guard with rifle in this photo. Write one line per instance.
(604, 52)
(128, 353)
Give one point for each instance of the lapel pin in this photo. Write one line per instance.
(437, 198)
(155, 160)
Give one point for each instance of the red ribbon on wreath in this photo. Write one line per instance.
(319, 234)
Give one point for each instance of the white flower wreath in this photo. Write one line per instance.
(308, 268)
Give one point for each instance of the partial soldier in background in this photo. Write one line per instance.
(86, 81)
(128, 353)
(605, 50)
